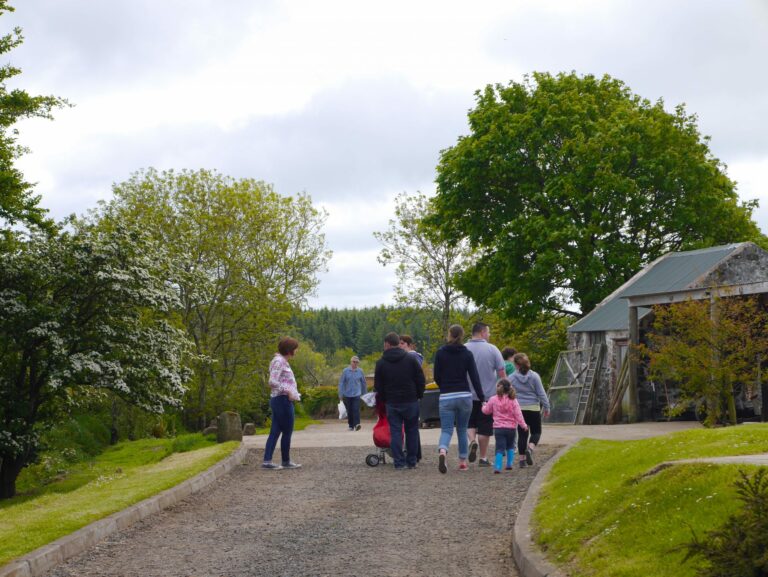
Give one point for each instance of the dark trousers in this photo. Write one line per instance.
(404, 415)
(282, 424)
(505, 440)
(352, 405)
(533, 420)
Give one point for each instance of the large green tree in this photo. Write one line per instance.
(570, 184)
(81, 314)
(243, 259)
(17, 202)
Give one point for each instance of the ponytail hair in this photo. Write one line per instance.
(506, 388)
(455, 335)
(522, 363)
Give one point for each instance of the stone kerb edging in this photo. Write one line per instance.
(45, 558)
(528, 557)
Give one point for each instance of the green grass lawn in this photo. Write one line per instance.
(299, 424)
(599, 514)
(121, 476)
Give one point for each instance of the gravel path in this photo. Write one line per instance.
(335, 516)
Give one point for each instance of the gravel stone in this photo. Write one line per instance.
(335, 516)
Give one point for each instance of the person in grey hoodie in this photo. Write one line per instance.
(534, 403)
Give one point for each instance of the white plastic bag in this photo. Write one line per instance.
(369, 399)
(342, 410)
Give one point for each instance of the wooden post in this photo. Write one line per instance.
(763, 388)
(633, 360)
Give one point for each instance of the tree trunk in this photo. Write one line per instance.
(730, 401)
(113, 434)
(9, 472)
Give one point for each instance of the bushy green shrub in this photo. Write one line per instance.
(321, 402)
(86, 434)
(740, 547)
(76, 439)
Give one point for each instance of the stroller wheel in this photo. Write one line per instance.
(372, 460)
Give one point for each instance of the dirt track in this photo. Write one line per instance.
(335, 516)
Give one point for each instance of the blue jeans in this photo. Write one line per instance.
(282, 424)
(455, 411)
(352, 404)
(505, 440)
(399, 415)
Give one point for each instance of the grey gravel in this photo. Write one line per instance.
(334, 516)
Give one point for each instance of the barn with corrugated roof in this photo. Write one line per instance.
(596, 380)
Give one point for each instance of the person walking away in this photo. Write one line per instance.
(399, 382)
(507, 417)
(490, 367)
(283, 393)
(454, 365)
(408, 344)
(534, 404)
(351, 387)
(507, 353)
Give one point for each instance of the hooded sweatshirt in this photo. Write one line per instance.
(453, 364)
(530, 391)
(398, 377)
(506, 412)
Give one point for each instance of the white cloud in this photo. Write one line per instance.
(751, 175)
(352, 102)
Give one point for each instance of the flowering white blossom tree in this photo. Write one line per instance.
(242, 257)
(81, 313)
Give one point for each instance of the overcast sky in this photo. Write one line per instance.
(352, 101)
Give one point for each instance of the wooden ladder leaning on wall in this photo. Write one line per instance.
(586, 398)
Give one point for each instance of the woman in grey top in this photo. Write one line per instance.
(534, 404)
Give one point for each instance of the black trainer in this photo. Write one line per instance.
(472, 451)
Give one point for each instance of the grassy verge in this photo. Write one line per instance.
(299, 424)
(121, 476)
(600, 514)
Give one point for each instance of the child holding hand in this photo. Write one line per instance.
(507, 416)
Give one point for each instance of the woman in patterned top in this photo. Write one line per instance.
(283, 393)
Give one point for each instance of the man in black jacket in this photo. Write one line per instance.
(399, 382)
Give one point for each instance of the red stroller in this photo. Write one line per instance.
(381, 437)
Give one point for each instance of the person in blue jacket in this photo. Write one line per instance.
(351, 387)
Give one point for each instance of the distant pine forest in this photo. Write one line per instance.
(363, 330)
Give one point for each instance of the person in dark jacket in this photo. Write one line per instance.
(454, 363)
(399, 382)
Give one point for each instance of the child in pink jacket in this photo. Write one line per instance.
(507, 416)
